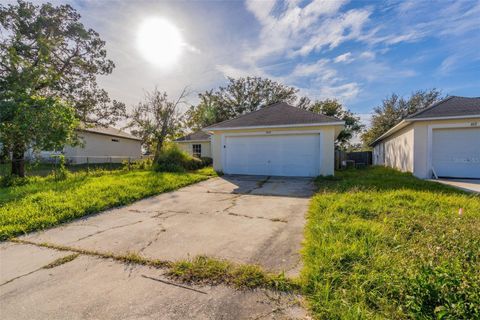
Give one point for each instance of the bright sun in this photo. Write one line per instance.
(160, 42)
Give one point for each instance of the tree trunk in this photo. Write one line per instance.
(158, 150)
(18, 161)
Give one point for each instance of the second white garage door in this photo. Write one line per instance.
(456, 152)
(275, 155)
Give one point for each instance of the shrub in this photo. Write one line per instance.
(141, 164)
(61, 172)
(172, 159)
(206, 161)
(12, 181)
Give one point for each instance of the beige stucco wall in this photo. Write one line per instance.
(328, 135)
(188, 147)
(408, 149)
(100, 148)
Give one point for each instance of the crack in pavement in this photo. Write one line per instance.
(108, 229)
(161, 213)
(174, 284)
(47, 266)
(157, 235)
(257, 217)
(232, 204)
(21, 276)
(233, 200)
(281, 306)
(277, 309)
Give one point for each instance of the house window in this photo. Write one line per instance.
(197, 150)
(115, 140)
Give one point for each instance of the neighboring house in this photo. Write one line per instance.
(441, 140)
(277, 140)
(99, 145)
(196, 144)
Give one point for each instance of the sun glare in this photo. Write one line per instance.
(160, 42)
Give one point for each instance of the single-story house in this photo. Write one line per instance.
(442, 140)
(277, 140)
(196, 144)
(99, 145)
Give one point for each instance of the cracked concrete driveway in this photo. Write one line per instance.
(244, 219)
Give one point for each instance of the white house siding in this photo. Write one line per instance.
(327, 133)
(99, 148)
(398, 150)
(188, 147)
(378, 154)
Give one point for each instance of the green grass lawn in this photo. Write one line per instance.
(384, 245)
(44, 169)
(44, 202)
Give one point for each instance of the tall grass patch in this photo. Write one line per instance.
(381, 244)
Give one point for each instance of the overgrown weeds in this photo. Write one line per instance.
(383, 244)
(212, 271)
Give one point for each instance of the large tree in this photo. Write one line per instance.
(333, 108)
(396, 108)
(156, 118)
(49, 63)
(238, 97)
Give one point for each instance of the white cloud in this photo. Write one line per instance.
(368, 55)
(288, 29)
(238, 72)
(325, 80)
(261, 9)
(306, 70)
(345, 58)
(344, 92)
(336, 30)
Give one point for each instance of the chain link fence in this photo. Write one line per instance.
(46, 165)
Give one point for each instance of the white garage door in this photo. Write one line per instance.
(456, 152)
(275, 155)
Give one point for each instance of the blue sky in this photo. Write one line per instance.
(355, 51)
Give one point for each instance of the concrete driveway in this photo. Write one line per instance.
(469, 185)
(244, 219)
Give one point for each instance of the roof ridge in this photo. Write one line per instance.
(242, 115)
(433, 105)
(109, 131)
(466, 97)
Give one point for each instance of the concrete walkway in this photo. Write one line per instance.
(469, 185)
(244, 219)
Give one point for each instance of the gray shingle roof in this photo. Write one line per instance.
(110, 131)
(450, 107)
(199, 135)
(276, 114)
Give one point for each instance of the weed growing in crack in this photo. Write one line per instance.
(62, 260)
(199, 270)
(206, 270)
